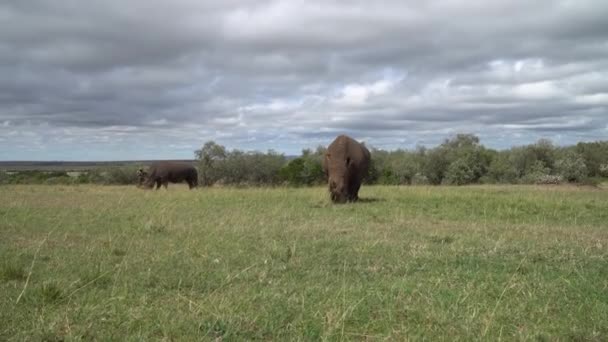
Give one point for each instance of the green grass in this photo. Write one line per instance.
(435, 263)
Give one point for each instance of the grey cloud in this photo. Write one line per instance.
(292, 74)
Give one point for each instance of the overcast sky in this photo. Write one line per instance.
(144, 79)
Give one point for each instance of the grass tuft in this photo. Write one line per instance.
(119, 252)
(10, 271)
(443, 240)
(49, 292)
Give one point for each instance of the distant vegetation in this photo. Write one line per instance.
(457, 161)
(118, 175)
(460, 160)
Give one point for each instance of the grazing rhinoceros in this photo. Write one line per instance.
(167, 171)
(346, 163)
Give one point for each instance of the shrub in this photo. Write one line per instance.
(590, 181)
(436, 165)
(603, 170)
(460, 160)
(303, 171)
(211, 157)
(501, 170)
(420, 179)
(63, 180)
(120, 175)
(4, 178)
(460, 172)
(549, 179)
(571, 167)
(595, 155)
(217, 165)
(535, 173)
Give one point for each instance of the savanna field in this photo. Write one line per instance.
(436, 263)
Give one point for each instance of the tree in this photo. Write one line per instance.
(209, 156)
(304, 170)
(263, 168)
(544, 151)
(462, 141)
(571, 166)
(436, 165)
(501, 170)
(460, 172)
(595, 155)
(531, 159)
(463, 149)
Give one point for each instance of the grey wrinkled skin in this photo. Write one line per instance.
(345, 164)
(161, 173)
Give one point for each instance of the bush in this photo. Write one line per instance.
(549, 179)
(590, 181)
(460, 172)
(571, 167)
(4, 178)
(120, 175)
(217, 165)
(595, 155)
(403, 167)
(373, 174)
(526, 159)
(460, 160)
(420, 179)
(501, 170)
(62, 180)
(32, 177)
(303, 171)
(436, 166)
(211, 157)
(603, 170)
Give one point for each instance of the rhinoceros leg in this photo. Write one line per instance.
(354, 191)
(191, 183)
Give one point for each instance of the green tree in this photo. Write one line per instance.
(211, 157)
(304, 170)
(571, 166)
(501, 170)
(595, 155)
(436, 165)
(460, 172)
(462, 149)
(530, 159)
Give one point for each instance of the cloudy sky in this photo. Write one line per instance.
(144, 79)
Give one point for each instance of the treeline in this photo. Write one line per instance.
(118, 175)
(457, 161)
(217, 165)
(463, 160)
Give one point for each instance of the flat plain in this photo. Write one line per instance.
(405, 263)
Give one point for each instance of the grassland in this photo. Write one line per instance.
(434, 263)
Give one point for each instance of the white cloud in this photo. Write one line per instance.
(103, 79)
(358, 94)
(594, 99)
(539, 90)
